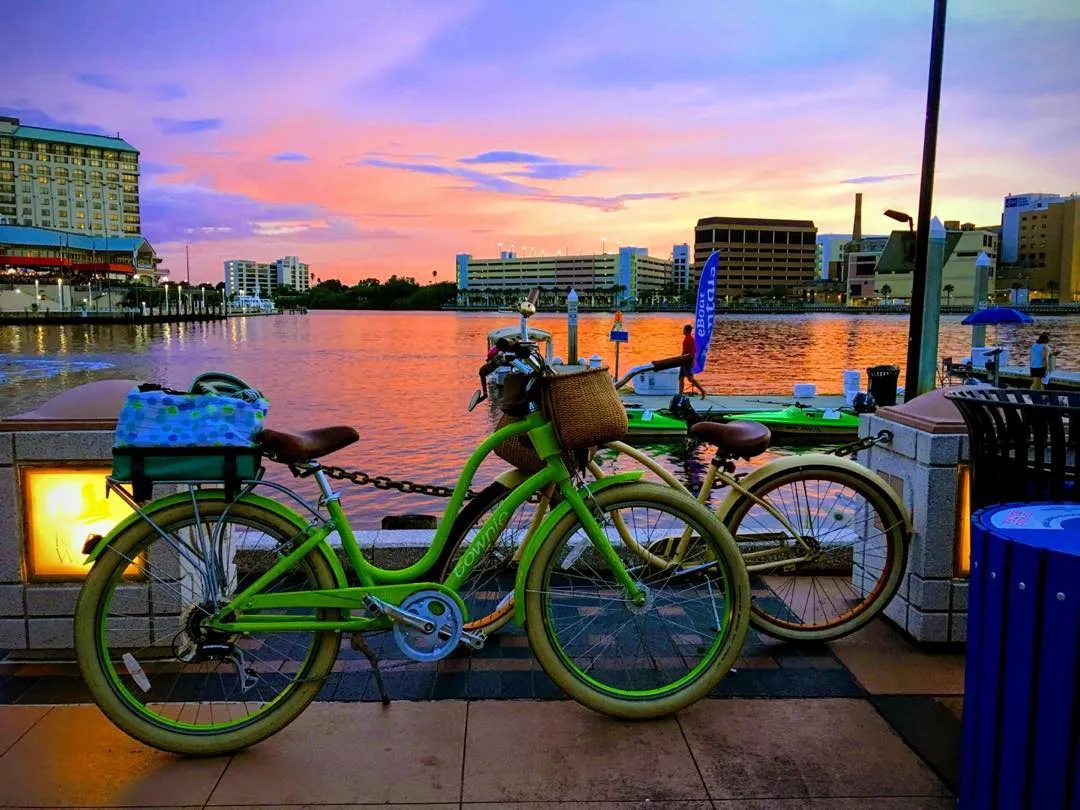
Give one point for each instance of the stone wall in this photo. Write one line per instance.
(38, 615)
(931, 605)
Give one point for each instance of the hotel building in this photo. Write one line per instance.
(68, 181)
(757, 256)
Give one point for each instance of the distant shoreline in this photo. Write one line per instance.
(1060, 310)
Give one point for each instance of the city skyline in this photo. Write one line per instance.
(390, 139)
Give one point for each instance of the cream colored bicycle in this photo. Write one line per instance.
(825, 539)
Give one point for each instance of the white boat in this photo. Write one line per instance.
(538, 336)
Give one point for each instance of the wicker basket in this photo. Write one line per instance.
(584, 408)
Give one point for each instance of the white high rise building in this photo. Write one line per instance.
(244, 276)
(680, 265)
(292, 273)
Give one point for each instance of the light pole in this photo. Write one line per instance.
(166, 299)
(916, 375)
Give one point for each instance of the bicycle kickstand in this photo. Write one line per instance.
(358, 642)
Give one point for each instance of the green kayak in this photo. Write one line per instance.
(649, 424)
(795, 423)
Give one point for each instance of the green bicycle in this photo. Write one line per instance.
(209, 623)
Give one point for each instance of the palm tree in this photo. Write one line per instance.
(948, 289)
(886, 291)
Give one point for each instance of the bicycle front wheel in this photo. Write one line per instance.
(629, 660)
(157, 671)
(844, 563)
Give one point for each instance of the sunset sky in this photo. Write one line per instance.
(373, 137)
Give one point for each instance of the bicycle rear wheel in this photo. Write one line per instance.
(157, 672)
(857, 551)
(627, 660)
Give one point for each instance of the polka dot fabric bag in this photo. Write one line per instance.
(176, 436)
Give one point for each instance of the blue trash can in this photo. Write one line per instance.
(1021, 737)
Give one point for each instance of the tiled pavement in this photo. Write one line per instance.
(870, 721)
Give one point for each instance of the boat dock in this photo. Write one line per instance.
(722, 404)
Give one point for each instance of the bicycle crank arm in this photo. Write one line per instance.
(380, 608)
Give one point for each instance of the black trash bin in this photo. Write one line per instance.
(883, 381)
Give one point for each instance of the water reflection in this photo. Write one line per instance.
(403, 379)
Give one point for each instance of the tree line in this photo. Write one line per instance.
(395, 293)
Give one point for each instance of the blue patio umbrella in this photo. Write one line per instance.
(991, 316)
(995, 315)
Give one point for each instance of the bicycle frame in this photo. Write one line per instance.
(715, 472)
(394, 585)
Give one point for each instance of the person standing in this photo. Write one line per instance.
(1040, 361)
(686, 371)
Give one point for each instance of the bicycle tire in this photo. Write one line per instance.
(609, 684)
(769, 601)
(116, 697)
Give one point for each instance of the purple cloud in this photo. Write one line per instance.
(186, 213)
(102, 82)
(169, 91)
(558, 171)
(481, 181)
(149, 167)
(180, 126)
(876, 178)
(504, 156)
(538, 167)
(290, 157)
(422, 168)
(38, 118)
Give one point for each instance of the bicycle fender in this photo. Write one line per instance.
(269, 504)
(550, 522)
(816, 460)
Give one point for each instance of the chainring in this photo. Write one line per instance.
(442, 611)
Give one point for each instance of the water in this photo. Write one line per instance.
(404, 379)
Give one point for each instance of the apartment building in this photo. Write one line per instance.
(757, 256)
(69, 181)
(246, 277)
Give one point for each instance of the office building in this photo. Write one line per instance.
(291, 272)
(250, 278)
(632, 269)
(28, 253)
(1015, 207)
(1048, 252)
(680, 265)
(963, 244)
(68, 181)
(758, 257)
(827, 262)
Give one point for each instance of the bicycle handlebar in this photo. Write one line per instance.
(523, 357)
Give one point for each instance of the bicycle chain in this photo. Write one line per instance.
(883, 437)
(385, 482)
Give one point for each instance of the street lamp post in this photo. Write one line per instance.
(914, 383)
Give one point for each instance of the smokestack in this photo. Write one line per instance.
(856, 228)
